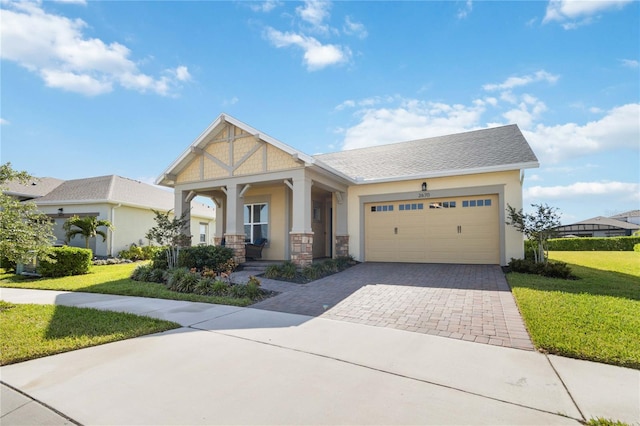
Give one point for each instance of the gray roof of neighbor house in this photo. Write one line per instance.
(116, 189)
(607, 221)
(630, 213)
(478, 151)
(36, 188)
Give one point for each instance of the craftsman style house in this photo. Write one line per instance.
(439, 200)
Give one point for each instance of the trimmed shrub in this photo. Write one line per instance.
(142, 273)
(548, 269)
(7, 264)
(593, 244)
(188, 282)
(199, 257)
(204, 286)
(68, 261)
(220, 288)
(636, 247)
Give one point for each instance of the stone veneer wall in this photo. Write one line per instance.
(217, 241)
(236, 243)
(342, 245)
(301, 249)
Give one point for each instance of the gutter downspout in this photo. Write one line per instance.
(113, 222)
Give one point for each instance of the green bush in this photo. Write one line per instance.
(204, 286)
(7, 264)
(636, 247)
(593, 244)
(547, 269)
(174, 276)
(199, 257)
(220, 288)
(135, 252)
(67, 261)
(142, 273)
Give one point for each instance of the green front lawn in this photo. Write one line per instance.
(595, 318)
(114, 279)
(34, 331)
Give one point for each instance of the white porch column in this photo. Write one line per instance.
(220, 212)
(301, 205)
(182, 205)
(341, 227)
(234, 235)
(301, 235)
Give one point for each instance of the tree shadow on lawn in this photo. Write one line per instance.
(592, 281)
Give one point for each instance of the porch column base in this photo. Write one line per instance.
(236, 243)
(217, 241)
(342, 245)
(301, 248)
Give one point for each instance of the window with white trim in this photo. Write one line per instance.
(204, 228)
(256, 221)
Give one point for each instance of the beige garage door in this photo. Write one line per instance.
(446, 230)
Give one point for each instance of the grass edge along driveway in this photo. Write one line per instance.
(114, 279)
(29, 331)
(595, 318)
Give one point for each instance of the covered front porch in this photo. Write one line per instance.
(262, 189)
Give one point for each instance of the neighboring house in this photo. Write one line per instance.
(126, 203)
(632, 216)
(439, 200)
(598, 227)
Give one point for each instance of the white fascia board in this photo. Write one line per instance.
(448, 173)
(331, 170)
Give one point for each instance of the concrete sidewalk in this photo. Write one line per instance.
(230, 365)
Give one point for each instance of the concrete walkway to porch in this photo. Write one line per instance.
(466, 302)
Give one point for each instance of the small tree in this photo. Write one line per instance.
(169, 232)
(537, 226)
(24, 231)
(86, 227)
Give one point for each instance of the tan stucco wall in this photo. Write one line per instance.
(512, 195)
(278, 232)
(130, 223)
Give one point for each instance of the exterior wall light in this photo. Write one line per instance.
(424, 186)
(60, 211)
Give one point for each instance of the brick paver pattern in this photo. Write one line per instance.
(467, 302)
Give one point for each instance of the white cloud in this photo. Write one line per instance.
(581, 189)
(354, 28)
(575, 13)
(231, 101)
(315, 12)
(4, 122)
(316, 54)
(528, 110)
(463, 12)
(65, 58)
(82, 2)
(265, 6)
(412, 119)
(513, 82)
(630, 63)
(620, 128)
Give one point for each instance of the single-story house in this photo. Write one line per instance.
(124, 202)
(599, 226)
(439, 200)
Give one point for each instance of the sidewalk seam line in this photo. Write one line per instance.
(565, 387)
(47, 406)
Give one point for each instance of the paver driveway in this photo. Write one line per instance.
(467, 302)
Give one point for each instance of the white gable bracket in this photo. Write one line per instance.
(289, 184)
(190, 196)
(244, 189)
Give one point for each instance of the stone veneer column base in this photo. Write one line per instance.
(301, 248)
(342, 245)
(217, 241)
(236, 243)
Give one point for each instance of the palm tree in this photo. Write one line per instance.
(87, 227)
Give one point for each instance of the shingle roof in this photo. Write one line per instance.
(38, 187)
(601, 220)
(116, 189)
(630, 213)
(500, 148)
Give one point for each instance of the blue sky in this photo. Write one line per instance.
(96, 88)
